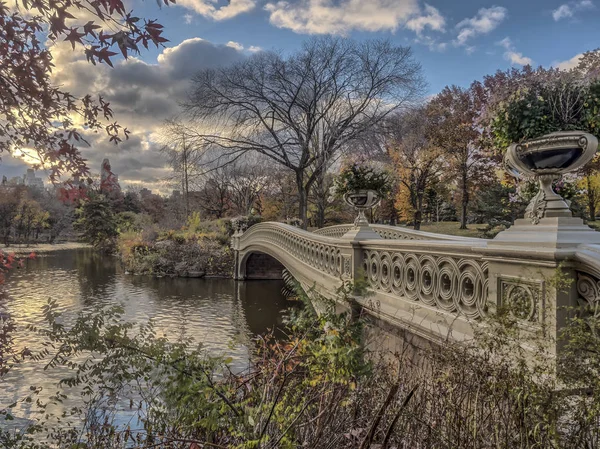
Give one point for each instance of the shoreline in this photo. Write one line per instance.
(41, 248)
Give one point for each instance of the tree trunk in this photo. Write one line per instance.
(320, 218)
(465, 200)
(418, 218)
(302, 199)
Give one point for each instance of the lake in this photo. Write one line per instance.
(222, 314)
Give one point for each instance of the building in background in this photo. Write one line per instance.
(29, 179)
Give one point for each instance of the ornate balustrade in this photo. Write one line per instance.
(435, 287)
(452, 278)
(390, 232)
(318, 252)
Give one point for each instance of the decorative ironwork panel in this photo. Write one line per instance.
(453, 284)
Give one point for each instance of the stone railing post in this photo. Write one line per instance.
(361, 231)
(535, 288)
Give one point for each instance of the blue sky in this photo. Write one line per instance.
(537, 29)
(456, 43)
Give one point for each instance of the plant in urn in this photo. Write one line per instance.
(362, 187)
(550, 127)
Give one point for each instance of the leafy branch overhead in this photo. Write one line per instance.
(37, 115)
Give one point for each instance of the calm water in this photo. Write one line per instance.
(220, 313)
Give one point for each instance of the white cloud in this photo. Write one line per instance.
(513, 56)
(568, 10)
(562, 12)
(432, 19)
(517, 58)
(343, 16)
(569, 63)
(188, 18)
(236, 45)
(432, 43)
(218, 9)
(486, 20)
(142, 96)
(240, 47)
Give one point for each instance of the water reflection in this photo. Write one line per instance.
(219, 313)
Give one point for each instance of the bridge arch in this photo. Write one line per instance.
(260, 262)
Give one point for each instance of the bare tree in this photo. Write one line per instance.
(301, 110)
(247, 180)
(184, 156)
(214, 196)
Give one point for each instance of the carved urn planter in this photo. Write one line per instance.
(546, 159)
(362, 200)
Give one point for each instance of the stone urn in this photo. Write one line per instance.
(546, 159)
(362, 200)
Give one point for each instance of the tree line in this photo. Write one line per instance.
(300, 117)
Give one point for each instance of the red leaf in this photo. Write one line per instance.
(89, 28)
(74, 36)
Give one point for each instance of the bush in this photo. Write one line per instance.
(561, 102)
(320, 387)
(362, 177)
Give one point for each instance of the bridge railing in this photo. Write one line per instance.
(450, 276)
(439, 287)
(588, 278)
(326, 254)
(391, 233)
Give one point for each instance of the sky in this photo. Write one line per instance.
(456, 42)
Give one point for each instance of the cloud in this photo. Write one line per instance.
(432, 19)
(240, 47)
(569, 63)
(432, 43)
(568, 10)
(236, 45)
(486, 20)
(343, 16)
(142, 96)
(188, 18)
(511, 55)
(218, 9)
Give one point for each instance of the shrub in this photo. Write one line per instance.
(561, 102)
(362, 177)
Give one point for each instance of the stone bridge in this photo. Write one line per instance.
(438, 286)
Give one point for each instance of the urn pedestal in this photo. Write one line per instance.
(548, 221)
(362, 200)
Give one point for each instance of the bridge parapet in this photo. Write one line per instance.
(391, 233)
(296, 249)
(439, 289)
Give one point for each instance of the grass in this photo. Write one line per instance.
(595, 225)
(452, 228)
